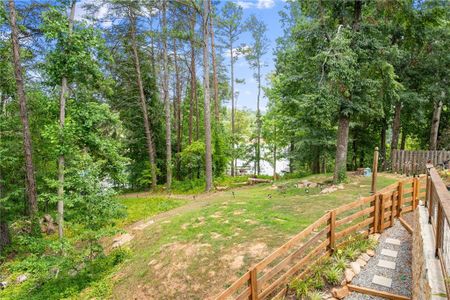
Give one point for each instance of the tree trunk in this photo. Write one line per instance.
(167, 100)
(233, 146)
(62, 119)
(341, 149)
(27, 143)
(258, 122)
(275, 153)
(207, 117)
(403, 141)
(435, 124)
(396, 126)
(214, 65)
(147, 128)
(178, 118)
(291, 159)
(383, 145)
(193, 98)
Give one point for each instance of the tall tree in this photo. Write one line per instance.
(62, 118)
(166, 97)
(22, 97)
(207, 108)
(214, 65)
(230, 27)
(254, 55)
(193, 73)
(148, 132)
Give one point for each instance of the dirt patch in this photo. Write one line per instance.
(235, 259)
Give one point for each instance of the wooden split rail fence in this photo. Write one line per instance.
(373, 214)
(438, 205)
(414, 162)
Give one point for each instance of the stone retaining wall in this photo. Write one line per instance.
(421, 288)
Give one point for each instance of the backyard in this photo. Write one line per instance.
(196, 250)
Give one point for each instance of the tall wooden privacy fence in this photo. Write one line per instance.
(414, 162)
(438, 204)
(373, 214)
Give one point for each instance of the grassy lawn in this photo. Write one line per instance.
(195, 255)
(139, 208)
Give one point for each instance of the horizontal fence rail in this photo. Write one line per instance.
(373, 214)
(438, 204)
(414, 162)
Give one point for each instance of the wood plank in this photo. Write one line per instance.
(289, 244)
(280, 266)
(406, 225)
(332, 233)
(292, 271)
(354, 204)
(372, 292)
(245, 294)
(354, 216)
(235, 286)
(354, 228)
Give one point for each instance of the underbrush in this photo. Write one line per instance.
(37, 266)
(329, 271)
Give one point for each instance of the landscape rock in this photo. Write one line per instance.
(356, 268)
(361, 262)
(48, 218)
(365, 257)
(349, 274)
(341, 292)
(329, 189)
(21, 278)
(3, 285)
(370, 252)
(50, 228)
(375, 237)
(327, 296)
(340, 186)
(221, 188)
(72, 273)
(313, 185)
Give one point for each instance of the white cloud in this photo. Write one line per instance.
(265, 4)
(259, 4)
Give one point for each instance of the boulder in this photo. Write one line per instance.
(365, 257)
(370, 252)
(349, 274)
(48, 218)
(361, 262)
(51, 229)
(340, 293)
(313, 185)
(21, 278)
(356, 268)
(340, 186)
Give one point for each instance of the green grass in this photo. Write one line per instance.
(228, 226)
(176, 257)
(141, 208)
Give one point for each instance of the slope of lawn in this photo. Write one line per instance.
(194, 255)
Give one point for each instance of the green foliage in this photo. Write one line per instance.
(333, 275)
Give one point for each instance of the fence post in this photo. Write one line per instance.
(332, 235)
(392, 208)
(376, 214)
(417, 191)
(254, 284)
(374, 171)
(400, 199)
(382, 208)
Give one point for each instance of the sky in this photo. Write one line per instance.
(268, 12)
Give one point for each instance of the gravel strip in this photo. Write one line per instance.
(401, 276)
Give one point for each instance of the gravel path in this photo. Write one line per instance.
(401, 276)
